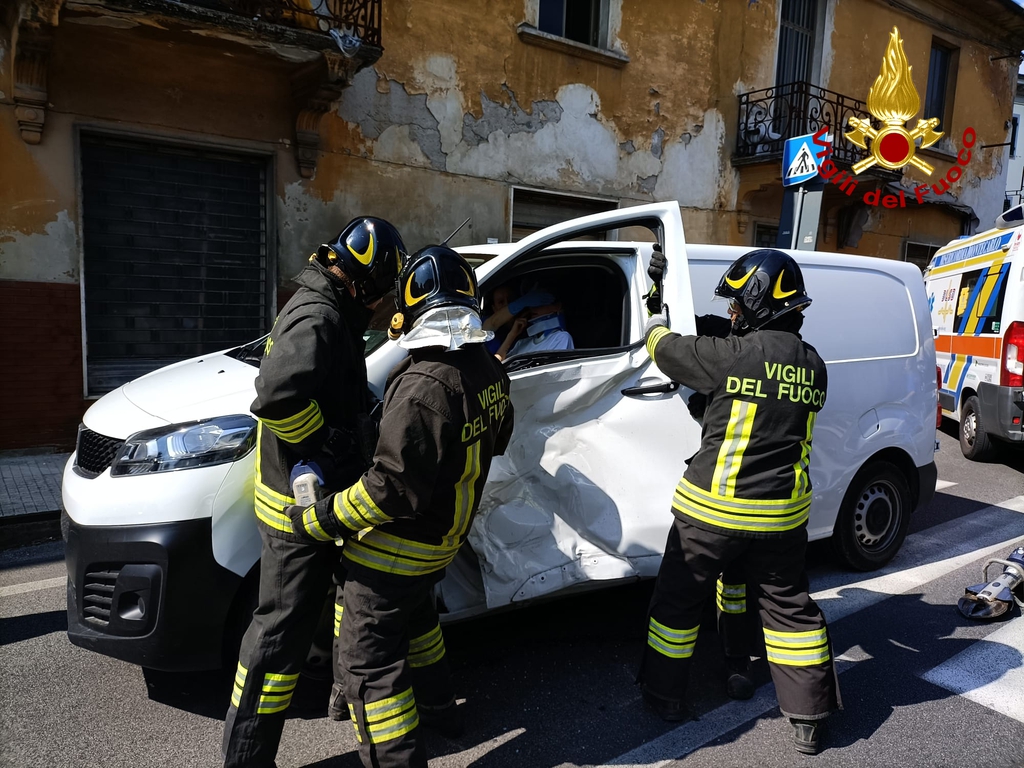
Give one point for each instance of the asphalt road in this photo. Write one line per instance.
(552, 685)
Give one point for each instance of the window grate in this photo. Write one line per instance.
(175, 244)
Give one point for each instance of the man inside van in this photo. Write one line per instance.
(447, 412)
(312, 403)
(745, 496)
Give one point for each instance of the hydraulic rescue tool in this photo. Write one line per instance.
(996, 598)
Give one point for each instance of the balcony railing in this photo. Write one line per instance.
(356, 18)
(770, 116)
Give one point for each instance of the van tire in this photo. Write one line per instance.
(975, 444)
(874, 517)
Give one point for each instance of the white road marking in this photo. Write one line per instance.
(990, 672)
(941, 484)
(33, 586)
(925, 557)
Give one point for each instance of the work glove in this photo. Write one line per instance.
(653, 322)
(653, 299)
(656, 268)
(697, 405)
(532, 299)
(316, 523)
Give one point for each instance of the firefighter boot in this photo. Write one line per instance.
(670, 710)
(445, 720)
(739, 684)
(806, 735)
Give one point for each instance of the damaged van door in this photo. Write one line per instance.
(582, 493)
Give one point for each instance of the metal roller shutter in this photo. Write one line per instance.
(175, 243)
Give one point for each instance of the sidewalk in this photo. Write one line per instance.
(30, 484)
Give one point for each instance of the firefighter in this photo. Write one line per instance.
(312, 403)
(446, 413)
(744, 498)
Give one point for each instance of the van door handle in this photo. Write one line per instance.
(662, 388)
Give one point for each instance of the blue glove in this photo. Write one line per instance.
(532, 299)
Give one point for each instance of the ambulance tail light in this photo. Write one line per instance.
(938, 405)
(1012, 372)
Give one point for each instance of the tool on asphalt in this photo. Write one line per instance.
(993, 599)
(307, 480)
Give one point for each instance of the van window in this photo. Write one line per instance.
(980, 302)
(856, 314)
(593, 293)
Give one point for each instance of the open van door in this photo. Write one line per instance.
(584, 491)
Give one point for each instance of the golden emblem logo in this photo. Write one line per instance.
(893, 101)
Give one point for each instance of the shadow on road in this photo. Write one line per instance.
(18, 628)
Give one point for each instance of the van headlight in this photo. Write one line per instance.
(184, 446)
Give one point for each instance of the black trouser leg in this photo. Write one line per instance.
(693, 559)
(796, 639)
(731, 601)
(373, 653)
(293, 581)
(431, 674)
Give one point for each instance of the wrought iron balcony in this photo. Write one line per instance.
(358, 19)
(770, 116)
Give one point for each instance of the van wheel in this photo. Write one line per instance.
(874, 517)
(975, 444)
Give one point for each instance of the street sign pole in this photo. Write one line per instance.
(801, 202)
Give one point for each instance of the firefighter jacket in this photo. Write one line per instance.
(312, 381)
(445, 415)
(750, 477)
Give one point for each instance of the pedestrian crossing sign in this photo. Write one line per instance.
(798, 160)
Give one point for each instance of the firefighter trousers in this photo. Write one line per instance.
(796, 639)
(294, 582)
(731, 604)
(391, 642)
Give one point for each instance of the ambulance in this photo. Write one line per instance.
(975, 289)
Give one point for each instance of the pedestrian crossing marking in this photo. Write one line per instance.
(989, 672)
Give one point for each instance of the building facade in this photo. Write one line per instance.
(167, 167)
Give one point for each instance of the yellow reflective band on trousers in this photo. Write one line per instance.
(339, 611)
(426, 649)
(730, 455)
(297, 428)
(802, 484)
(797, 649)
(391, 554)
(270, 504)
(236, 693)
(390, 718)
(276, 694)
(654, 337)
(674, 643)
(734, 513)
(356, 510)
(732, 598)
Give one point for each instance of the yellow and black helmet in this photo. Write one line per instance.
(370, 251)
(435, 276)
(766, 284)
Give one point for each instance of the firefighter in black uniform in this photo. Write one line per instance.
(312, 403)
(745, 496)
(446, 413)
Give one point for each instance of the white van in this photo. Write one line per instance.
(976, 294)
(163, 564)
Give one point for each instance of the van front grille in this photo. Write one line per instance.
(98, 593)
(95, 452)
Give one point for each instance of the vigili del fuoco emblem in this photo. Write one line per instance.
(893, 100)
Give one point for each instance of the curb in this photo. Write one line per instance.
(28, 530)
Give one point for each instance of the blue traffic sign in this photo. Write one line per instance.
(798, 160)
